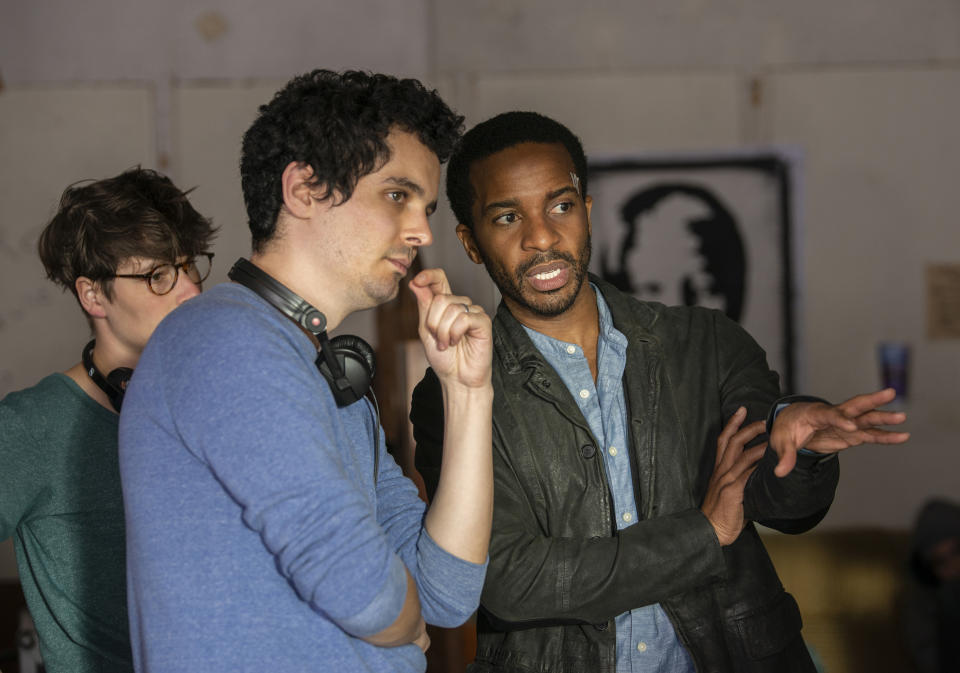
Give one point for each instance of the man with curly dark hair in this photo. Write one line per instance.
(268, 527)
(131, 249)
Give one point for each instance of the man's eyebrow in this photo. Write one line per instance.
(563, 190)
(512, 203)
(413, 187)
(509, 203)
(405, 182)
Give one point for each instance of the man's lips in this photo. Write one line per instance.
(550, 276)
(547, 269)
(402, 263)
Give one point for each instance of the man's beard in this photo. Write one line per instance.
(546, 304)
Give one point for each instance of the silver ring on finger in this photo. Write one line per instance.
(466, 307)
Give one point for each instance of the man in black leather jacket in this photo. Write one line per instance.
(662, 570)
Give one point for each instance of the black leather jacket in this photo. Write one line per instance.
(559, 570)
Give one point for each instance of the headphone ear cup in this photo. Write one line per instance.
(356, 348)
(114, 384)
(357, 363)
(119, 378)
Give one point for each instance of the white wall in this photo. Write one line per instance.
(879, 207)
(868, 92)
(51, 136)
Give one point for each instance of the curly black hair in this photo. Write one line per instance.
(499, 133)
(100, 224)
(337, 123)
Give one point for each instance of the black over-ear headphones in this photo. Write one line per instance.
(113, 384)
(347, 362)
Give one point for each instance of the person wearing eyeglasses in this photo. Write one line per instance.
(130, 248)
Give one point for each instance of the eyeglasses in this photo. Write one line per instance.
(163, 277)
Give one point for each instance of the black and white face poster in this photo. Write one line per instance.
(712, 231)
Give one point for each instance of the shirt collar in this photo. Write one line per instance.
(562, 349)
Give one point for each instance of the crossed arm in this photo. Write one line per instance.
(535, 576)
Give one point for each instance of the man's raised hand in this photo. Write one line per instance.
(456, 334)
(829, 429)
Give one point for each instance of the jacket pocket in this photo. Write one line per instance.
(770, 628)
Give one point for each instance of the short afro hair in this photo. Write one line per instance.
(499, 133)
(337, 123)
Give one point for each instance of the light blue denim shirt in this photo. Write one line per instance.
(646, 640)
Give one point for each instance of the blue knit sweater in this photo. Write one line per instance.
(256, 536)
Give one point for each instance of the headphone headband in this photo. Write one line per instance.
(113, 384)
(279, 295)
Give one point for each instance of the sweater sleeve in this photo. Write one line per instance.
(449, 586)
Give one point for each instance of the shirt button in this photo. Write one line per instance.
(642, 646)
(612, 450)
(627, 516)
(571, 349)
(584, 394)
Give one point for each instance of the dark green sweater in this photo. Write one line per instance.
(61, 501)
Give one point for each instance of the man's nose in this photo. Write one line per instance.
(418, 233)
(539, 234)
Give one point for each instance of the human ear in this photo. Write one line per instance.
(297, 188)
(91, 297)
(465, 234)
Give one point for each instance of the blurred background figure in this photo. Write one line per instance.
(932, 601)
